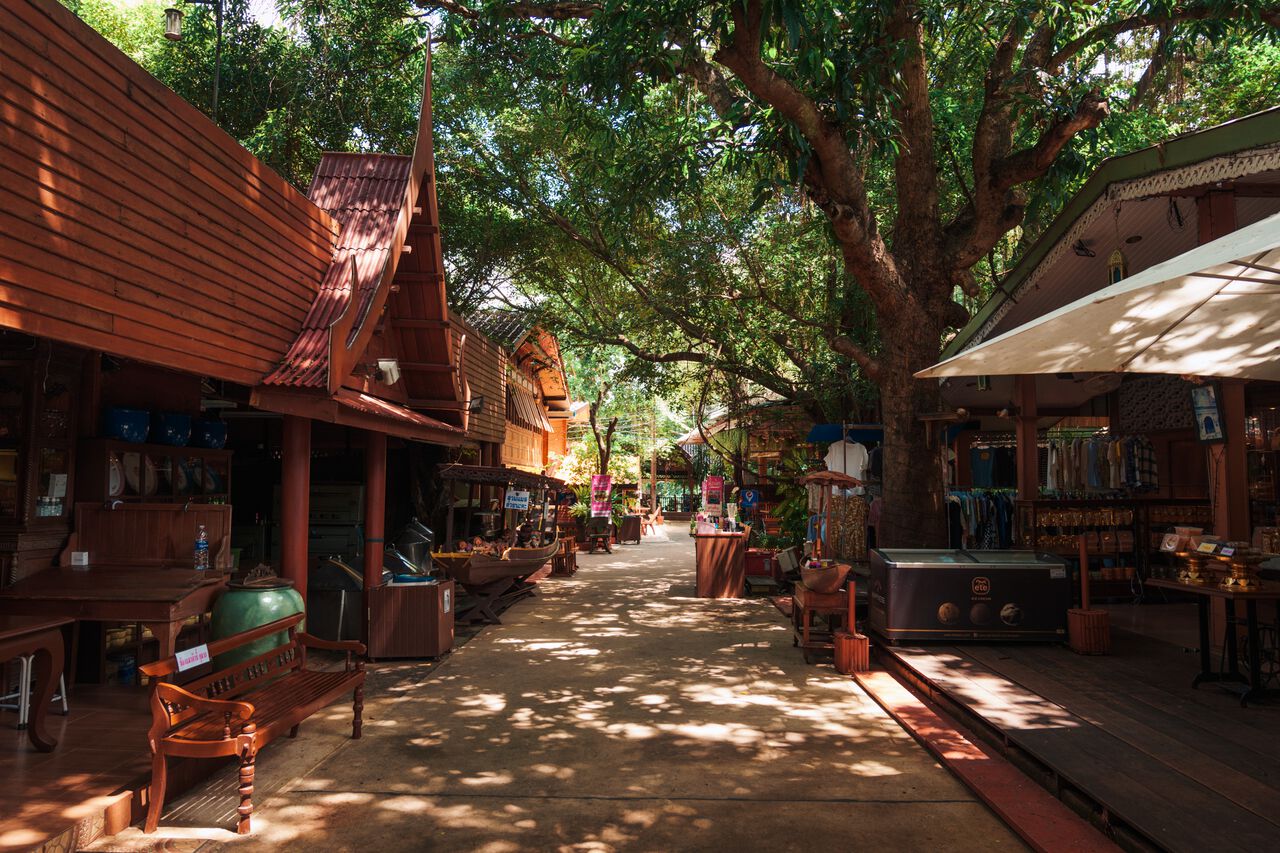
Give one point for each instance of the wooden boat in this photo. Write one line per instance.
(487, 578)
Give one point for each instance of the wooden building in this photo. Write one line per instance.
(517, 368)
(150, 262)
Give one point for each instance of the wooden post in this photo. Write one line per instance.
(1088, 630)
(375, 506)
(295, 500)
(1024, 394)
(964, 466)
(1216, 215)
(1231, 503)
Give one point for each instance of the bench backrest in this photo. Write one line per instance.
(230, 681)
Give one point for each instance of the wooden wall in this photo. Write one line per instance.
(133, 225)
(484, 374)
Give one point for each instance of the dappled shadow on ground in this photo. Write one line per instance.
(609, 714)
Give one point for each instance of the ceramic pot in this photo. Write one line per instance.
(247, 605)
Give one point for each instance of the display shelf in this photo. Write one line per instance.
(114, 470)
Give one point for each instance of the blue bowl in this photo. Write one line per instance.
(127, 424)
(211, 434)
(171, 429)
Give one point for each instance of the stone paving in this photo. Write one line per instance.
(614, 712)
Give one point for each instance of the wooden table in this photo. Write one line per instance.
(41, 637)
(161, 599)
(805, 604)
(1250, 685)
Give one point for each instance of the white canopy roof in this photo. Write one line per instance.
(1212, 311)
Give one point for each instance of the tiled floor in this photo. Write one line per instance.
(101, 750)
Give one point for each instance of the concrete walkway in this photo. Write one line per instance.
(612, 712)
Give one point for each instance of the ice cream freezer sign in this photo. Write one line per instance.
(601, 488)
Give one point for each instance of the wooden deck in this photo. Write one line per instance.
(1162, 765)
(86, 787)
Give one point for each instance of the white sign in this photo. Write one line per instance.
(192, 658)
(516, 500)
(448, 599)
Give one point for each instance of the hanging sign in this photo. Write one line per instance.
(713, 495)
(601, 487)
(749, 498)
(516, 500)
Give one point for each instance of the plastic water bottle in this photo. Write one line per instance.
(202, 550)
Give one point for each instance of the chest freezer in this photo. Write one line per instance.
(950, 595)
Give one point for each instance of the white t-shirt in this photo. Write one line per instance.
(847, 457)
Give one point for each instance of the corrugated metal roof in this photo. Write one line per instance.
(364, 193)
(507, 328)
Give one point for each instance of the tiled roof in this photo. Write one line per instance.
(364, 193)
(505, 327)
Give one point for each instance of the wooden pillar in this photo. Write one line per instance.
(375, 506)
(964, 466)
(1024, 399)
(1216, 216)
(295, 500)
(1231, 503)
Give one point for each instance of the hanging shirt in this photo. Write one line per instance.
(847, 457)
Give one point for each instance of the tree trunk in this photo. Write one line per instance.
(914, 493)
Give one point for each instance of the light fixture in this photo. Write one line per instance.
(1133, 238)
(173, 24)
(173, 32)
(388, 371)
(476, 404)
(984, 383)
(1082, 250)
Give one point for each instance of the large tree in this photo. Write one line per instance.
(921, 130)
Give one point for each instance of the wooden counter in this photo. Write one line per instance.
(720, 559)
(160, 599)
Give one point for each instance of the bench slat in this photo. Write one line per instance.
(287, 699)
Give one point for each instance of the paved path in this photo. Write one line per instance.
(613, 712)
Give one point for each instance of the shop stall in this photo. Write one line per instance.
(500, 553)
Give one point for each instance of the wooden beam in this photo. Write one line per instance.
(1024, 397)
(425, 366)
(416, 323)
(438, 405)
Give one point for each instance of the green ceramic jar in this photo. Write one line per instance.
(247, 605)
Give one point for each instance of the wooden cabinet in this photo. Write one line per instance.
(114, 470)
(39, 384)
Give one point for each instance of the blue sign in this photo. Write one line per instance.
(749, 498)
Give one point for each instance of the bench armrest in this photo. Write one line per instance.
(314, 642)
(169, 702)
(351, 647)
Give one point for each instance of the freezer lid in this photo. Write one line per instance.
(924, 556)
(1022, 558)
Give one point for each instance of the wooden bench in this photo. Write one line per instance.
(235, 711)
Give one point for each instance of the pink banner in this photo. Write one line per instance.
(713, 495)
(601, 487)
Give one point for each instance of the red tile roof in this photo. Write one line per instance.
(364, 193)
(358, 410)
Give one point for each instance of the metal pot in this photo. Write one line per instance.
(414, 543)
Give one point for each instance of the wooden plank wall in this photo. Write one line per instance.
(130, 222)
(484, 369)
